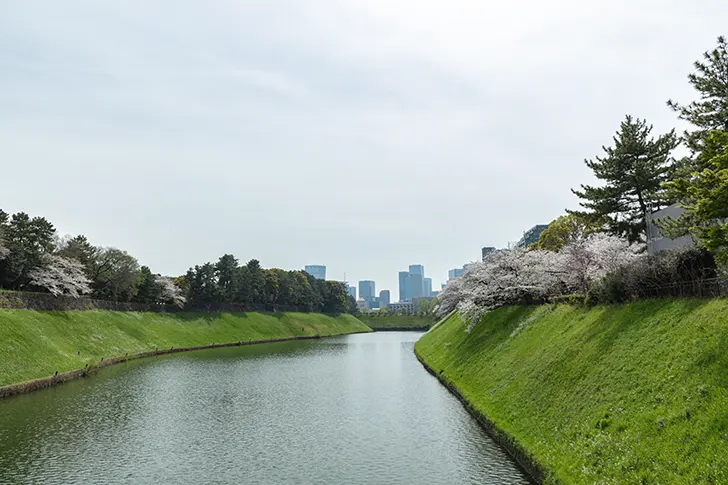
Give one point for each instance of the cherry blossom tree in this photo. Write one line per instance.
(61, 276)
(513, 276)
(170, 293)
(585, 261)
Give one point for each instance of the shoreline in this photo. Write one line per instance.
(533, 471)
(63, 377)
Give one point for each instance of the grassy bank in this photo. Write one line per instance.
(34, 345)
(398, 322)
(634, 393)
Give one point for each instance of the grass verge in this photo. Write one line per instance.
(35, 345)
(634, 393)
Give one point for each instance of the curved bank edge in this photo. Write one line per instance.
(46, 382)
(534, 471)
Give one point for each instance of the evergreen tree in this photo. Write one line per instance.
(633, 172)
(148, 290)
(710, 112)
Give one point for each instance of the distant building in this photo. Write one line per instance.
(406, 307)
(367, 291)
(455, 273)
(405, 286)
(384, 299)
(417, 282)
(316, 270)
(486, 251)
(362, 304)
(531, 236)
(351, 290)
(656, 240)
(428, 287)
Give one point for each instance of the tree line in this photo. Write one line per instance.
(34, 258)
(598, 251)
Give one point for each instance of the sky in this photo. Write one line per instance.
(366, 135)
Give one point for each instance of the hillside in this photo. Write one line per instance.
(634, 393)
(35, 345)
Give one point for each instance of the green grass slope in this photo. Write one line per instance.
(397, 322)
(625, 394)
(37, 344)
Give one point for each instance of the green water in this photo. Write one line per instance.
(348, 410)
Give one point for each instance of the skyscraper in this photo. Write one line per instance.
(318, 271)
(384, 299)
(428, 287)
(366, 291)
(405, 286)
(417, 280)
(351, 290)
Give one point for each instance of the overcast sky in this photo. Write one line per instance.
(366, 135)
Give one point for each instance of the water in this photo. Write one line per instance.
(358, 409)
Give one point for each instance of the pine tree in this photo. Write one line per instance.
(633, 172)
(710, 112)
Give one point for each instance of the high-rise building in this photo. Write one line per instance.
(366, 291)
(455, 273)
(351, 290)
(531, 236)
(428, 287)
(417, 279)
(318, 271)
(486, 251)
(405, 286)
(384, 299)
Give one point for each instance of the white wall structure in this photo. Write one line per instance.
(656, 240)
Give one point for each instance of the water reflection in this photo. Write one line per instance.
(358, 409)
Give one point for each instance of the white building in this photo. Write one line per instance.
(656, 240)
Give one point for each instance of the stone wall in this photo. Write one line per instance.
(47, 302)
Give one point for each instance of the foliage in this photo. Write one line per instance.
(515, 276)
(114, 274)
(254, 287)
(564, 230)
(27, 243)
(37, 344)
(633, 172)
(710, 113)
(704, 196)
(383, 320)
(169, 292)
(618, 394)
(61, 276)
(678, 272)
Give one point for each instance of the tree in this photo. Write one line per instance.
(257, 282)
(225, 269)
(633, 172)
(585, 261)
(336, 298)
(169, 292)
(4, 251)
(78, 248)
(61, 276)
(204, 290)
(704, 196)
(113, 274)
(27, 242)
(710, 113)
(148, 290)
(564, 230)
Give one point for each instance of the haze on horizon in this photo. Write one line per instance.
(363, 135)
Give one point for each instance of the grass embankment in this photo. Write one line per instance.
(397, 322)
(635, 393)
(35, 345)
